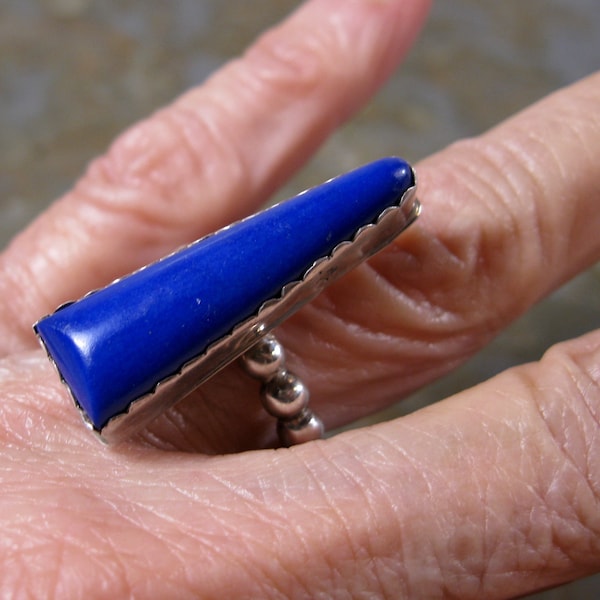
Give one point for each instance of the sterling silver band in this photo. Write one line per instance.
(283, 394)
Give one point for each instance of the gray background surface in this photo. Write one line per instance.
(73, 73)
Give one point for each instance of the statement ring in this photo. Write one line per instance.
(129, 351)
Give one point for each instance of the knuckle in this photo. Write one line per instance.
(569, 405)
(172, 161)
(573, 415)
(495, 227)
(505, 192)
(286, 68)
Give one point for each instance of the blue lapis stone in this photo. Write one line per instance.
(114, 345)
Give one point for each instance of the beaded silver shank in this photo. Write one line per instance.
(283, 395)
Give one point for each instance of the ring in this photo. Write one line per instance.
(129, 351)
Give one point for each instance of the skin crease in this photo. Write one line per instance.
(490, 494)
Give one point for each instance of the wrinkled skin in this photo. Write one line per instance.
(489, 494)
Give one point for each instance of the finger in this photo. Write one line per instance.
(507, 217)
(212, 156)
(493, 493)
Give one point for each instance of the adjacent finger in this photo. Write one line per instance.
(491, 494)
(212, 156)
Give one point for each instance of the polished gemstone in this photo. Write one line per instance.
(114, 345)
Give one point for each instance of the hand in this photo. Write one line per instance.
(489, 494)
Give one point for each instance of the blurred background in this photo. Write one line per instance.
(73, 73)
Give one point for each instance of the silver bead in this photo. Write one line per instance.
(306, 428)
(264, 359)
(284, 395)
